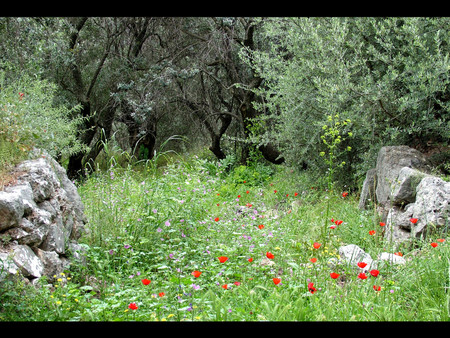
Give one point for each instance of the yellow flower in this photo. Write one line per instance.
(198, 317)
(62, 274)
(59, 280)
(277, 248)
(171, 315)
(58, 302)
(76, 299)
(163, 319)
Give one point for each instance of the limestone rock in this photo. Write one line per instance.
(368, 190)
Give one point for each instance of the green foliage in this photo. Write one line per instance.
(29, 117)
(390, 75)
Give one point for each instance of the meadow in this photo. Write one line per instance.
(197, 240)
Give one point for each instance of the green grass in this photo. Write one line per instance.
(163, 224)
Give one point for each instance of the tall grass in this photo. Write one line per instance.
(164, 224)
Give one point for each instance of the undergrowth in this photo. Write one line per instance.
(193, 242)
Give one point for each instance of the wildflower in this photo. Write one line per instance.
(239, 196)
(377, 287)
(338, 222)
(316, 245)
(159, 229)
(334, 275)
(441, 240)
(362, 264)
(344, 194)
(225, 286)
(247, 192)
(222, 259)
(196, 273)
(276, 280)
(167, 223)
(311, 288)
(296, 194)
(374, 272)
(362, 275)
(133, 306)
(261, 226)
(145, 281)
(161, 294)
(269, 255)
(372, 232)
(333, 227)
(248, 205)
(413, 220)
(275, 191)
(313, 260)
(382, 224)
(195, 287)
(237, 283)
(250, 259)
(434, 244)
(398, 253)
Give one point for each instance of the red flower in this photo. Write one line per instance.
(216, 219)
(413, 220)
(196, 273)
(362, 275)
(434, 244)
(311, 288)
(382, 224)
(372, 232)
(237, 283)
(332, 220)
(334, 275)
(374, 272)
(269, 255)
(338, 222)
(275, 191)
(296, 194)
(225, 286)
(261, 226)
(277, 281)
(239, 196)
(161, 294)
(441, 240)
(362, 265)
(316, 245)
(398, 254)
(333, 227)
(133, 306)
(377, 287)
(248, 205)
(247, 192)
(250, 259)
(222, 259)
(313, 260)
(145, 281)
(344, 194)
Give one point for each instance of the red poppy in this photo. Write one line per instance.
(334, 275)
(316, 245)
(269, 255)
(237, 283)
(398, 254)
(434, 244)
(344, 194)
(413, 220)
(225, 286)
(161, 294)
(333, 227)
(441, 240)
(374, 272)
(145, 281)
(362, 264)
(261, 226)
(296, 194)
(277, 281)
(216, 219)
(313, 260)
(372, 232)
(332, 220)
(362, 275)
(377, 287)
(247, 192)
(382, 224)
(239, 196)
(196, 273)
(222, 259)
(338, 222)
(311, 288)
(275, 191)
(248, 205)
(133, 306)
(250, 259)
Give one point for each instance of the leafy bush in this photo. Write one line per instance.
(30, 118)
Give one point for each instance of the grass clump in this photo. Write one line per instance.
(191, 242)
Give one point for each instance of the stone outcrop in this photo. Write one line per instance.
(41, 219)
(401, 188)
